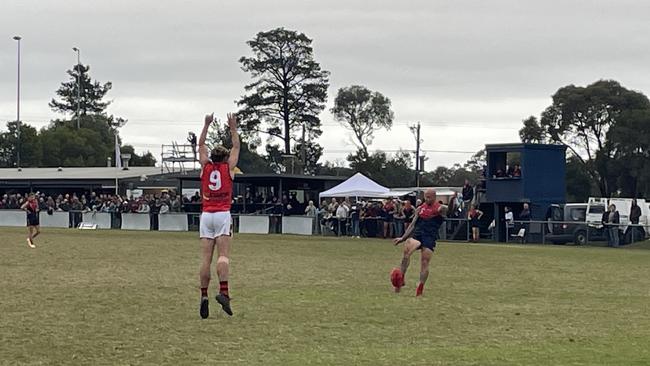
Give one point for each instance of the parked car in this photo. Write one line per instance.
(582, 221)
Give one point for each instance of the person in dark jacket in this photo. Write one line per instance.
(610, 220)
(635, 213)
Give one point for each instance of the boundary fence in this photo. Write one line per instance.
(454, 229)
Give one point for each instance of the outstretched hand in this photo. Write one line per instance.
(209, 118)
(232, 121)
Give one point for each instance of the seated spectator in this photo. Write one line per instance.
(516, 172)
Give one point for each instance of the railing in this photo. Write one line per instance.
(171, 221)
(454, 229)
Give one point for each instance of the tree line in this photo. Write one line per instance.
(87, 138)
(604, 126)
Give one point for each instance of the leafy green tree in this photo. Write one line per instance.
(146, 159)
(30, 146)
(363, 112)
(289, 89)
(532, 132)
(89, 97)
(580, 118)
(249, 159)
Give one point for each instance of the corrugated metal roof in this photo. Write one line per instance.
(76, 173)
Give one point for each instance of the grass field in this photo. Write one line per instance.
(131, 298)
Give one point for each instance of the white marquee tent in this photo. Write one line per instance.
(359, 185)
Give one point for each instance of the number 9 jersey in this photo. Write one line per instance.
(216, 187)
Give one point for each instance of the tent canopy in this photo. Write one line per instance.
(357, 185)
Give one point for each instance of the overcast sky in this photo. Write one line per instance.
(470, 71)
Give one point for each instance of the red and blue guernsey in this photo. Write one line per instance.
(216, 187)
(428, 223)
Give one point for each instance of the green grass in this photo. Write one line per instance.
(131, 298)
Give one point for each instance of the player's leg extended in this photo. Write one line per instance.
(37, 228)
(207, 250)
(410, 246)
(30, 236)
(223, 269)
(398, 274)
(425, 259)
(223, 258)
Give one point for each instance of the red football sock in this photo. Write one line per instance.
(223, 288)
(204, 292)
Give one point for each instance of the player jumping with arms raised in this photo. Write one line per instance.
(33, 229)
(217, 173)
(427, 220)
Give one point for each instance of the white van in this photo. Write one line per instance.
(623, 206)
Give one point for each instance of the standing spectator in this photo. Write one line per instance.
(191, 138)
(468, 195)
(611, 219)
(387, 216)
(333, 206)
(276, 216)
(355, 219)
(635, 213)
(341, 218)
(312, 212)
(164, 207)
(175, 204)
(64, 206)
(408, 212)
(398, 219)
(455, 205)
(154, 210)
(75, 212)
(525, 216)
(510, 221)
(474, 217)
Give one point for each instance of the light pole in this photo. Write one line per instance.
(78, 82)
(117, 124)
(17, 39)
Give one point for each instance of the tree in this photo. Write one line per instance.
(89, 98)
(580, 118)
(312, 153)
(629, 143)
(363, 112)
(394, 171)
(477, 163)
(289, 87)
(65, 145)
(249, 159)
(532, 132)
(579, 185)
(30, 146)
(146, 159)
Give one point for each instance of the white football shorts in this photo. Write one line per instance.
(215, 224)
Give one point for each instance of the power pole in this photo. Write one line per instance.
(417, 155)
(303, 150)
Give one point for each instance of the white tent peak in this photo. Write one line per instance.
(357, 185)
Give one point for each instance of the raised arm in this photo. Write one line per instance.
(409, 230)
(24, 206)
(204, 155)
(234, 135)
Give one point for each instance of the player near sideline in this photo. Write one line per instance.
(33, 224)
(427, 220)
(217, 173)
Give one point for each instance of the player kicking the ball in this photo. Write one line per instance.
(217, 173)
(427, 220)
